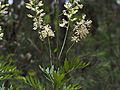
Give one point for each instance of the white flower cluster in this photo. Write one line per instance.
(46, 32)
(1, 34)
(71, 10)
(3, 8)
(38, 22)
(3, 11)
(81, 29)
(64, 23)
(82, 26)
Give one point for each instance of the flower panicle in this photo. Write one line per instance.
(3, 11)
(44, 30)
(1, 33)
(3, 8)
(81, 29)
(82, 26)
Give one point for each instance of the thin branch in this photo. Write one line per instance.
(64, 42)
(70, 48)
(33, 44)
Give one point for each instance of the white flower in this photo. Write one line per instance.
(3, 8)
(79, 5)
(1, 34)
(83, 16)
(73, 19)
(81, 30)
(30, 16)
(88, 23)
(64, 23)
(72, 8)
(68, 5)
(40, 3)
(46, 32)
(75, 38)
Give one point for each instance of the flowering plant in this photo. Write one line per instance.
(81, 29)
(58, 75)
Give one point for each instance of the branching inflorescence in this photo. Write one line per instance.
(44, 30)
(3, 10)
(81, 26)
(81, 29)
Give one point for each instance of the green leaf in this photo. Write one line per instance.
(2, 87)
(66, 65)
(7, 70)
(34, 82)
(72, 87)
(72, 1)
(55, 50)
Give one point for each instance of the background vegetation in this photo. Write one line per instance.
(23, 51)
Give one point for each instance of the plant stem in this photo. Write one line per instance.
(50, 52)
(70, 48)
(64, 42)
(57, 28)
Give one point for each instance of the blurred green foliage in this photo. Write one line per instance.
(101, 49)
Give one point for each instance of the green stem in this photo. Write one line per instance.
(64, 42)
(50, 52)
(57, 25)
(70, 48)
